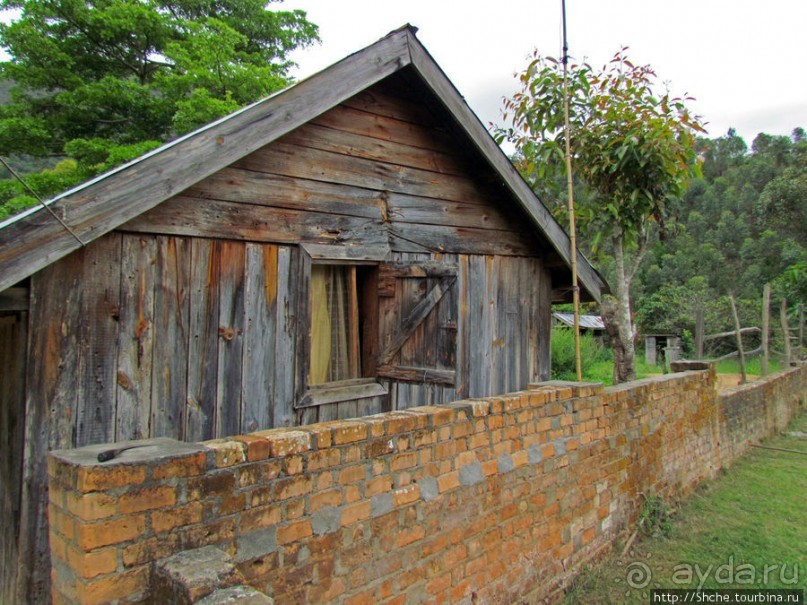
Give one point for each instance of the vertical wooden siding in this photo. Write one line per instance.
(165, 336)
(13, 330)
(502, 336)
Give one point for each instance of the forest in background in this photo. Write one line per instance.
(742, 224)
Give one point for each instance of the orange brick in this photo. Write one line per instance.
(185, 466)
(293, 465)
(171, 518)
(91, 564)
(147, 499)
(115, 587)
(352, 474)
(95, 535)
(439, 584)
(151, 549)
(293, 487)
(402, 461)
(408, 535)
(326, 458)
(329, 498)
(352, 494)
(399, 423)
(355, 512)
(294, 531)
(406, 495)
(368, 597)
(61, 523)
(284, 441)
(491, 467)
(258, 448)
(328, 590)
(98, 478)
(92, 506)
(263, 516)
(58, 546)
(448, 481)
(379, 485)
(295, 509)
(227, 452)
(349, 432)
(321, 434)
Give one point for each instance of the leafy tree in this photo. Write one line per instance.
(634, 149)
(104, 74)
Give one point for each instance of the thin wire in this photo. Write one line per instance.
(41, 201)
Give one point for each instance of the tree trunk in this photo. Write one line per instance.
(625, 361)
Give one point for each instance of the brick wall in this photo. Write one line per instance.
(481, 500)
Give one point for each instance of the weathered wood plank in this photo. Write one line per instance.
(14, 299)
(258, 384)
(135, 337)
(409, 237)
(235, 221)
(231, 339)
(169, 379)
(384, 128)
(463, 362)
(203, 344)
(354, 138)
(419, 375)
(479, 347)
(345, 390)
(13, 342)
(105, 203)
(304, 162)
(263, 189)
(389, 98)
(404, 208)
(414, 318)
(333, 254)
(287, 326)
(98, 341)
(302, 312)
(447, 326)
(50, 407)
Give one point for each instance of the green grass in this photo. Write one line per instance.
(750, 517)
(598, 364)
(752, 366)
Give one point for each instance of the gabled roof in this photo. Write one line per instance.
(35, 239)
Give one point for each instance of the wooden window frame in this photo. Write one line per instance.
(344, 390)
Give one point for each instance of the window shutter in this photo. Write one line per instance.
(418, 322)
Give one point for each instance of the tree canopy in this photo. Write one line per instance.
(101, 81)
(633, 147)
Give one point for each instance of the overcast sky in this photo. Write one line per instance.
(744, 61)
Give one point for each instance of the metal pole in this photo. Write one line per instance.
(572, 233)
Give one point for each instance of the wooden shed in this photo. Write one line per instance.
(354, 244)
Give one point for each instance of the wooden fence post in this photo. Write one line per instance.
(739, 338)
(785, 331)
(766, 325)
(699, 333)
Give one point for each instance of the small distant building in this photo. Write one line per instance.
(661, 348)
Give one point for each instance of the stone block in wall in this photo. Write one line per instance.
(188, 576)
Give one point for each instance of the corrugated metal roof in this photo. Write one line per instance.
(589, 322)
